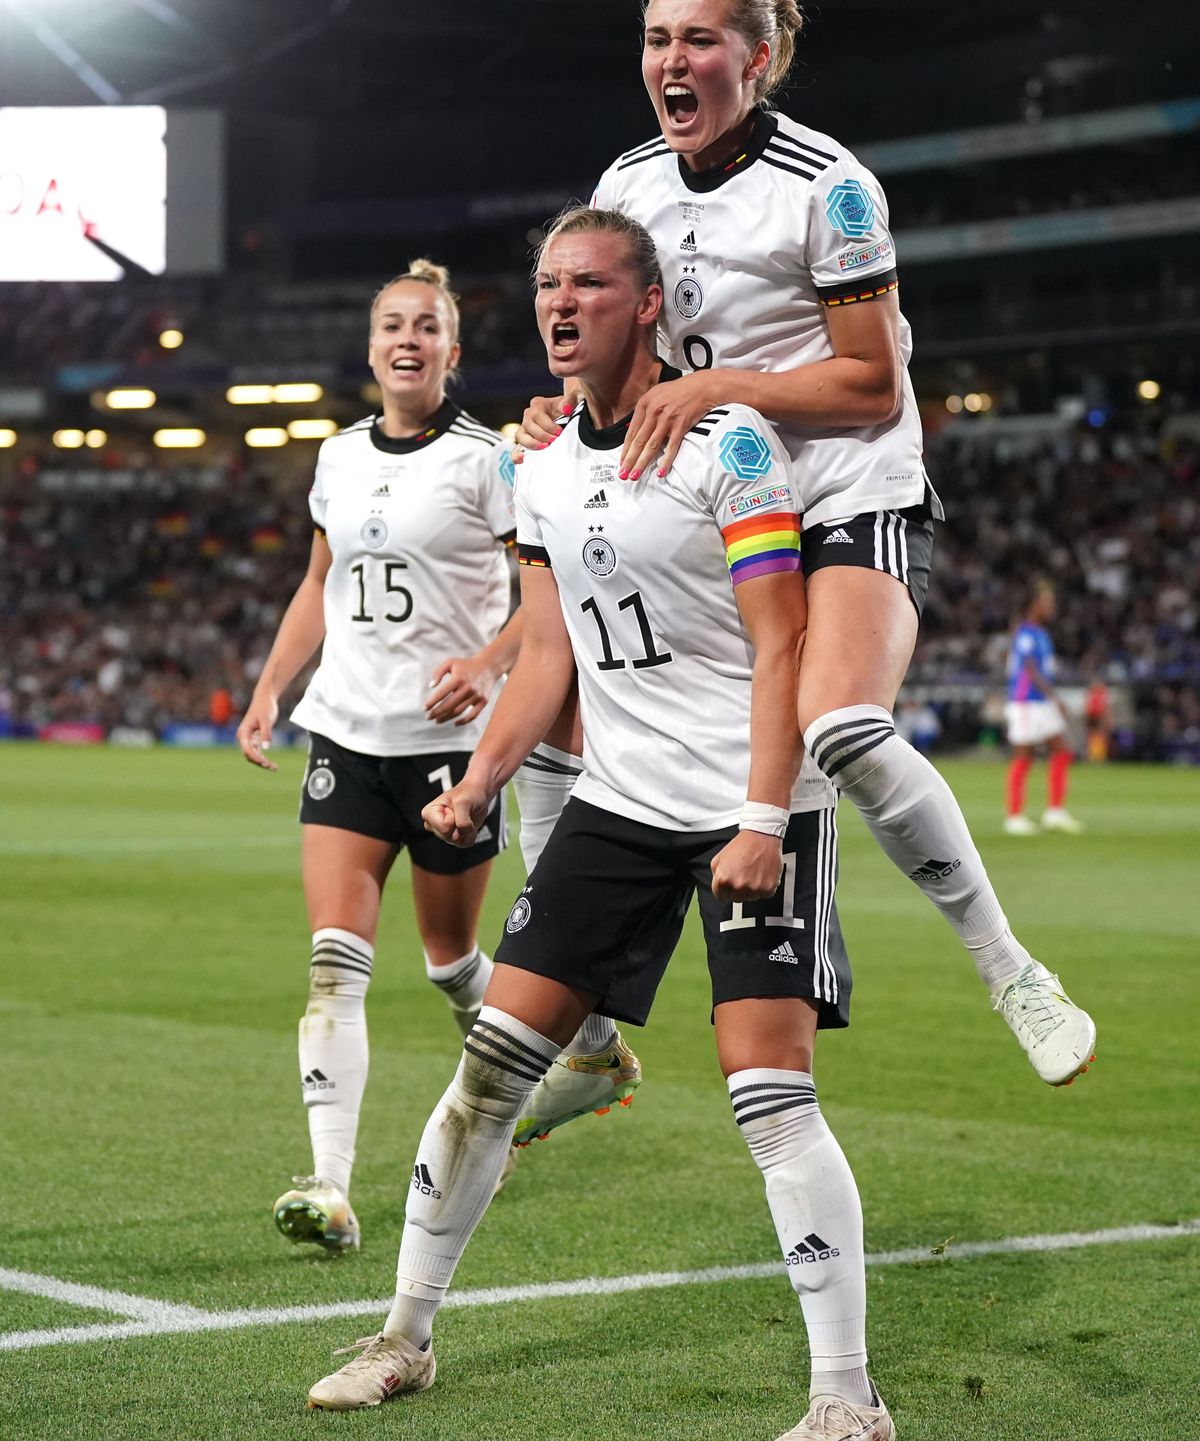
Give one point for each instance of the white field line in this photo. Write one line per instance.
(159, 1318)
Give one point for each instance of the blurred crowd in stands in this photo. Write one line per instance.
(141, 594)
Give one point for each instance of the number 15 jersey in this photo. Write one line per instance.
(644, 576)
(417, 529)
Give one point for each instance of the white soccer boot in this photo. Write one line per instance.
(315, 1210)
(1020, 826)
(1056, 819)
(832, 1419)
(575, 1085)
(386, 1367)
(1058, 1037)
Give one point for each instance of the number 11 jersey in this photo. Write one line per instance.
(644, 576)
(417, 529)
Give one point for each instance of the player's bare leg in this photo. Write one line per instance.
(862, 627)
(447, 911)
(765, 1048)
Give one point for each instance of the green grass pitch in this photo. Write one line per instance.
(155, 954)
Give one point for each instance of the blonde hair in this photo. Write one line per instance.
(425, 272)
(582, 220)
(778, 22)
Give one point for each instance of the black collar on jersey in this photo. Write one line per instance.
(612, 436)
(765, 125)
(439, 423)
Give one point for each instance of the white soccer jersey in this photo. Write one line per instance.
(752, 255)
(644, 578)
(418, 530)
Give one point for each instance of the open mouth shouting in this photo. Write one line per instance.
(564, 339)
(680, 104)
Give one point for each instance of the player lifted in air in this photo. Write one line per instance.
(691, 786)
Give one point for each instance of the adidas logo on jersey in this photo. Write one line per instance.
(934, 870)
(784, 955)
(811, 1249)
(688, 243)
(839, 537)
(381, 490)
(422, 1182)
(597, 502)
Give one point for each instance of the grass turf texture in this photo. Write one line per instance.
(156, 958)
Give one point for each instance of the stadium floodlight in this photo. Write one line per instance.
(1149, 389)
(8, 438)
(170, 339)
(973, 402)
(179, 438)
(265, 437)
(95, 439)
(300, 393)
(954, 404)
(68, 439)
(248, 395)
(509, 429)
(130, 398)
(311, 429)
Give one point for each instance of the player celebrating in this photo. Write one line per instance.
(780, 283)
(1035, 717)
(408, 589)
(689, 785)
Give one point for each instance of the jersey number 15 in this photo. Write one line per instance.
(390, 569)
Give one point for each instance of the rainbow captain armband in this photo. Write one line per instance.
(762, 545)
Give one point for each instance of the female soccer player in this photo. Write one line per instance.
(407, 591)
(1035, 718)
(690, 785)
(780, 293)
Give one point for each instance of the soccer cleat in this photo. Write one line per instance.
(1058, 1037)
(386, 1367)
(832, 1419)
(1019, 826)
(575, 1085)
(315, 1210)
(1056, 819)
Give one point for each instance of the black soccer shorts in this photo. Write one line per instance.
(383, 796)
(604, 908)
(897, 542)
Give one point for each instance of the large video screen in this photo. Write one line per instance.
(95, 192)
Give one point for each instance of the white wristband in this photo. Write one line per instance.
(766, 820)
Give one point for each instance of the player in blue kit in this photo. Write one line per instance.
(1035, 718)
(692, 785)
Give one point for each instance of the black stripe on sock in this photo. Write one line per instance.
(824, 745)
(461, 978)
(511, 1040)
(339, 966)
(796, 1103)
(832, 770)
(501, 1065)
(345, 946)
(345, 953)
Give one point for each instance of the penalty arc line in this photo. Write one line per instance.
(161, 1318)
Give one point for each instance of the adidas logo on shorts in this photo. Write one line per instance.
(839, 537)
(784, 955)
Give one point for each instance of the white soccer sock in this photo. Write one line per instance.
(463, 983)
(459, 1161)
(912, 813)
(333, 1049)
(814, 1204)
(597, 1033)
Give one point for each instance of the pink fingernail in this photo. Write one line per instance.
(622, 475)
(661, 473)
(636, 475)
(543, 445)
